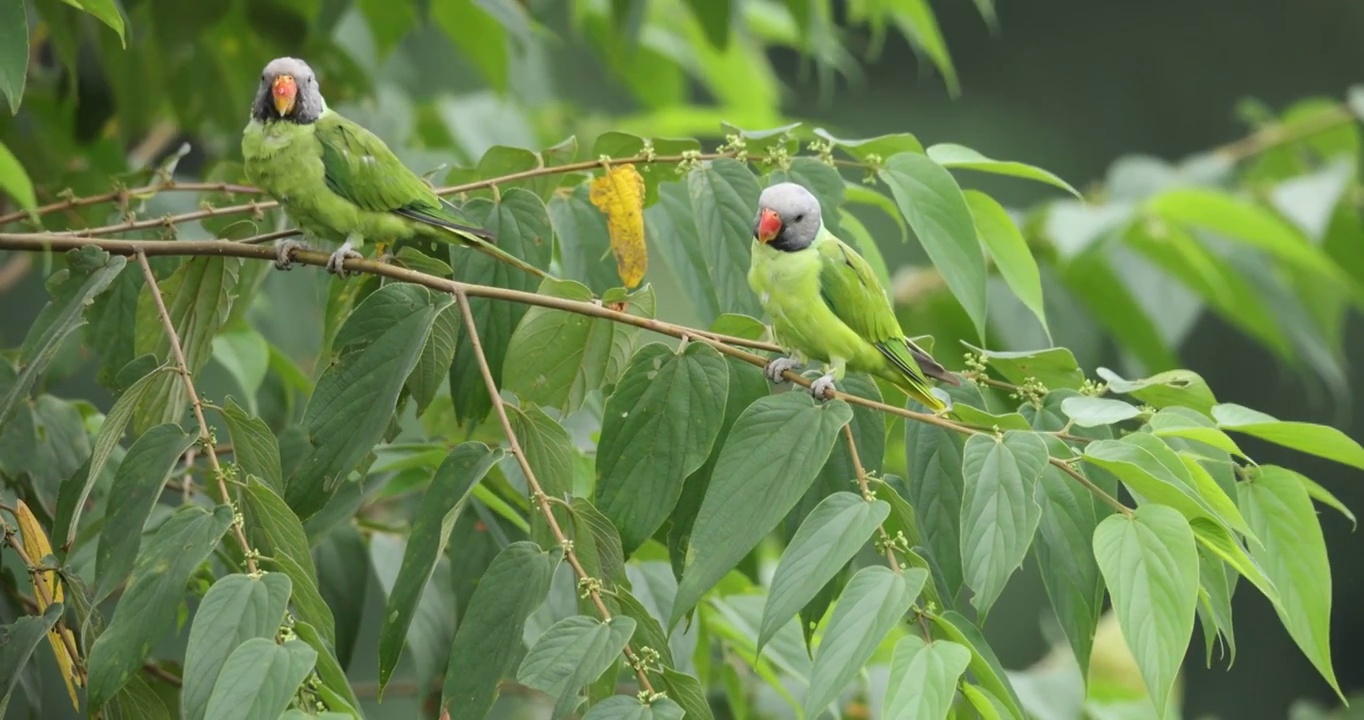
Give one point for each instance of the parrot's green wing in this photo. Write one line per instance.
(361, 168)
(850, 289)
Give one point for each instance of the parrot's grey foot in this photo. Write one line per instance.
(337, 260)
(284, 253)
(774, 369)
(823, 385)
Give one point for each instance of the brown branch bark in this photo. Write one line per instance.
(205, 437)
(538, 494)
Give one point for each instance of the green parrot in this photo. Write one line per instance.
(826, 304)
(339, 180)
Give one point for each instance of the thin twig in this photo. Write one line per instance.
(119, 196)
(205, 437)
(1089, 484)
(866, 495)
(537, 493)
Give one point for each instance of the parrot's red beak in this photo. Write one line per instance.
(769, 226)
(285, 93)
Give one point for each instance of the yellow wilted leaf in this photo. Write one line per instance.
(619, 193)
(37, 547)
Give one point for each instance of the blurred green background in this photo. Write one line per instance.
(1100, 93)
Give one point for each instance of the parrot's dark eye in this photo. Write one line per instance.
(800, 217)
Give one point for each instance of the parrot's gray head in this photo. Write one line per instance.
(788, 217)
(288, 91)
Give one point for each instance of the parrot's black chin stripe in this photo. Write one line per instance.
(786, 242)
(303, 112)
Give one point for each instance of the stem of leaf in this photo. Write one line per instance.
(205, 437)
(866, 495)
(538, 493)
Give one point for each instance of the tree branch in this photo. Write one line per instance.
(866, 495)
(537, 493)
(205, 437)
(725, 344)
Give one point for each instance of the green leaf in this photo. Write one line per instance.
(146, 613)
(648, 632)
(1320, 440)
(137, 485)
(923, 678)
(723, 197)
(998, 512)
(621, 707)
(1218, 541)
(13, 74)
(572, 653)
(594, 535)
(934, 481)
(671, 228)
(1150, 563)
(1101, 290)
(1216, 584)
(245, 354)
(872, 603)
(276, 532)
(13, 178)
(88, 273)
(478, 35)
(255, 449)
(950, 155)
(1240, 220)
(488, 641)
(658, 427)
(18, 640)
(1144, 473)
(259, 679)
(583, 240)
(556, 357)
(687, 691)
(934, 206)
(823, 181)
(1181, 422)
(984, 702)
(388, 23)
(984, 665)
(433, 365)
(1293, 555)
(1010, 252)
(1065, 557)
(329, 670)
(714, 17)
(828, 538)
(521, 224)
(882, 145)
(1324, 496)
(1096, 411)
(1172, 387)
(350, 408)
(235, 609)
(548, 448)
(72, 496)
(918, 24)
(441, 504)
(198, 298)
(736, 325)
(1053, 367)
(107, 12)
(767, 462)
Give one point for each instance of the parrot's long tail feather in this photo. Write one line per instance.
(437, 220)
(488, 248)
(930, 366)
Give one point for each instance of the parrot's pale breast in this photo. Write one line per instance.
(285, 160)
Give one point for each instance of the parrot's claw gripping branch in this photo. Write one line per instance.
(775, 369)
(823, 387)
(284, 253)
